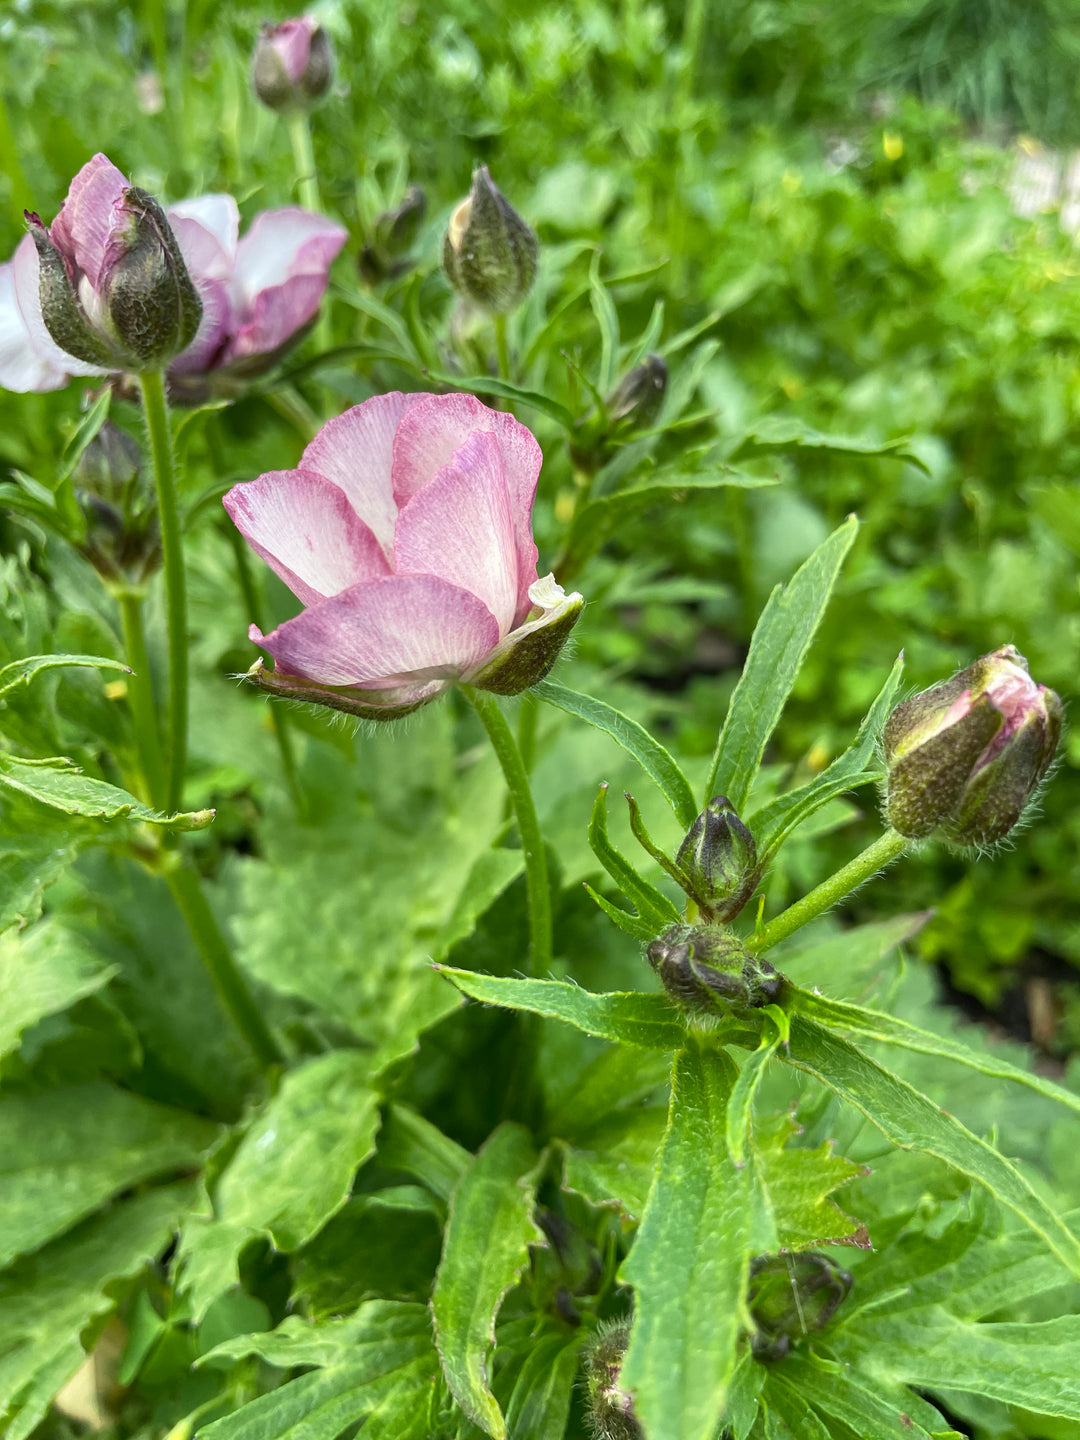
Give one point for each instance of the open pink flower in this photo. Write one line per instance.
(406, 532)
(258, 292)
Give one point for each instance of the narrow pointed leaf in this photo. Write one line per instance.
(779, 645)
(655, 909)
(690, 1261)
(485, 1248)
(631, 924)
(21, 672)
(62, 786)
(913, 1122)
(634, 738)
(634, 1017)
(741, 1105)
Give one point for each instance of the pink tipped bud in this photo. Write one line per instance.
(965, 756)
(293, 65)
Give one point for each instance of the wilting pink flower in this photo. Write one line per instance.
(258, 293)
(406, 532)
(292, 65)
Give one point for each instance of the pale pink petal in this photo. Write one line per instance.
(385, 630)
(292, 41)
(27, 279)
(89, 215)
(206, 229)
(355, 452)
(306, 531)
(278, 313)
(427, 439)
(214, 329)
(21, 368)
(460, 527)
(282, 244)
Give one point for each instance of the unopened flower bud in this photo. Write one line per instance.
(708, 968)
(719, 857)
(610, 1408)
(791, 1296)
(393, 238)
(489, 253)
(113, 286)
(965, 756)
(636, 401)
(122, 540)
(292, 65)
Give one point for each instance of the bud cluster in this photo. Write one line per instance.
(707, 968)
(121, 539)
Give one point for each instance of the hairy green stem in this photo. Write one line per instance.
(230, 985)
(140, 694)
(307, 187)
(278, 719)
(532, 842)
(502, 347)
(875, 857)
(152, 385)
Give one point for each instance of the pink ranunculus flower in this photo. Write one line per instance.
(407, 533)
(258, 293)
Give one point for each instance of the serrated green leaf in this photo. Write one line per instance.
(376, 1332)
(634, 738)
(64, 1152)
(788, 1416)
(873, 1025)
(773, 823)
(634, 1018)
(21, 672)
(540, 1401)
(839, 1395)
(44, 970)
(778, 647)
(798, 1182)
(291, 1172)
(485, 1248)
(410, 1143)
(914, 1122)
(690, 1261)
(614, 1162)
(654, 908)
(62, 786)
(49, 1299)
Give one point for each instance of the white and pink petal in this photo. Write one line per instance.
(281, 244)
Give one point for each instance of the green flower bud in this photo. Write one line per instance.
(153, 306)
(610, 1409)
(636, 401)
(965, 756)
(489, 253)
(719, 858)
(393, 237)
(707, 968)
(121, 540)
(791, 1296)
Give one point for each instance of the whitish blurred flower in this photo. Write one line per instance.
(406, 532)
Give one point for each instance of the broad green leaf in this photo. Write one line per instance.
(492, 872)
(656, 911)
(634, 1018)
(485, 1248)
(614, 1162)
(788, 1416)
(619, 1076)
(64, 1152)
(741, 1409)
(62, 786)
(634, 738)
(291, 1172)
(540, 1401)
(839, 1395)
(42, 971)
(410, 1143)
(773, 823)
(365, 1359)
(53, 1298)
(690, 1261)
(913, 1122)
(21, 672)
(779, 434)
(873, 1025)
(849, 958)
(798, 1182)
(780, 641)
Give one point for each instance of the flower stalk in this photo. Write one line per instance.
(140, 690)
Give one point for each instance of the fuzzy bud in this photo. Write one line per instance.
(610, 1409)
(489, 253)
(393, 238)
(636, 401)
(707, 968)
(292, 66)
(122, 540)
(719, 858)
(965, 756)
(791, 1296)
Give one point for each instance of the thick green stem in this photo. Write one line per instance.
(532, 842)
(502, 347)
(152, 384)
(140, 694)
(855, 873)
(278, 719)
(230, 985)
(307, 187)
